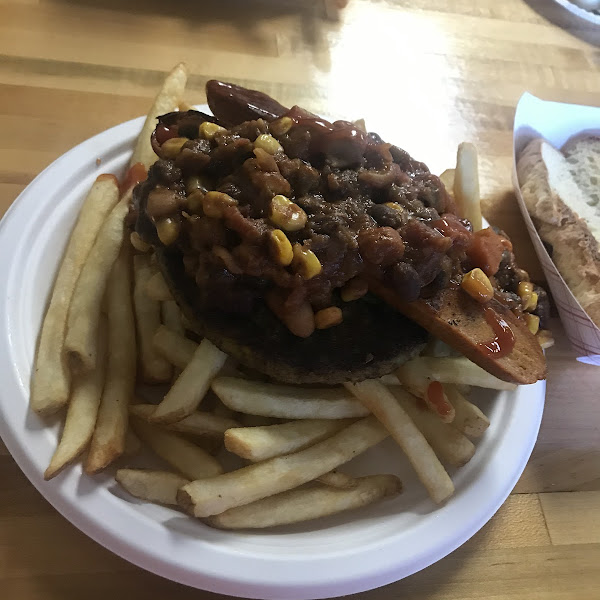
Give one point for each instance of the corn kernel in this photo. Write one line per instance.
(394, 205)
(138, 243)
(328, 317)
(306, 262)
(525, 292)
(280, 247)
(477, 284)
(172, 147)
(195, 202)
(208, 130)
(196, 182)
(532, 304)
(167, 230)
(356, 288)
(268, 143)
(281, 126)
(533, 322)
(213, 203)
(286, 214)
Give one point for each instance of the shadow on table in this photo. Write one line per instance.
(243, 15)
(561, 17)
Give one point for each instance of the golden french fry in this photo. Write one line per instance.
(154, 486)
(154, 368)
(379, 400)
(81, 413)
(186, 457)
(338, 480)
(416, 374)
(108, 441)
(447, 178)
(172, 318)
(157, 288)
(86, 303)
(51, 375)
(217, 494)
(191, 386)
(296, 506)
(286, 401)
(261, 443)
(167, 100)
(469, 419)
(185, 106)
(466, 185)
(198, 423)
(173, 347)
(450, 445)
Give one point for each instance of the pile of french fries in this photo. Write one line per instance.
(112, 330)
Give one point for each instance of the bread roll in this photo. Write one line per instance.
(562, 199)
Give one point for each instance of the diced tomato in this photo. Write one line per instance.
(486, 251)
(450, 225)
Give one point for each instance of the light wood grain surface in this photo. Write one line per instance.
(425, 73)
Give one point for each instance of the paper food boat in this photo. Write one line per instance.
(556, 123)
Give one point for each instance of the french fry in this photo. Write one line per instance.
(190, 460)
(447, 178)
(154, 368)
(339, 480)
(51, 375)
(218, 494)
(296, 506)
(191, 386)
(198, 423)
(172, 318)
(167, 100)
(416, 374)
(108, 441)
(469, 419)
(86, 303)
(261, 443)
(157, 288)
(155, 486)
(286, 402)
(380, 401)
(81, 413)
(450, 445)
(173, 347)
(466, 185)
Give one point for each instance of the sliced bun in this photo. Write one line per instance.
(565, 213)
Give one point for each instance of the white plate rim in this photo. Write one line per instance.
(350, 573)
(582, 13)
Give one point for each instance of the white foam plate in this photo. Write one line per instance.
(349, 553)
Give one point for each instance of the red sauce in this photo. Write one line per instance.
(504, 340)
(437, 399)
(134, 175)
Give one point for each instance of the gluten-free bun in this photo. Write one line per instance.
(561, 192)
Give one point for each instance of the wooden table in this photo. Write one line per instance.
(428, 74)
